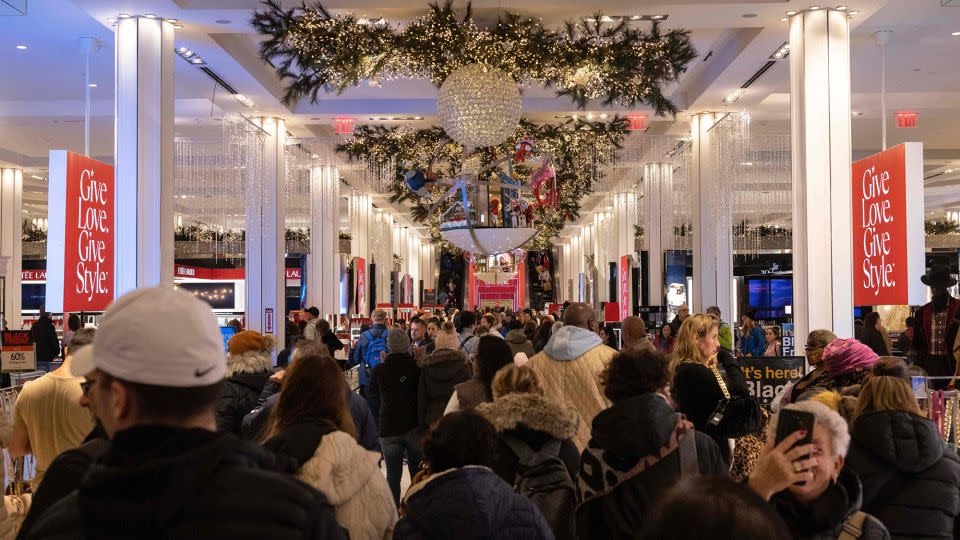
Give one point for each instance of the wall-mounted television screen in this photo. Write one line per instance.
(771, 297)
(219, 294)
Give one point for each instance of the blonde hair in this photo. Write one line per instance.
(514, 379)
(886, 394)
(685, 345)
(829, 398)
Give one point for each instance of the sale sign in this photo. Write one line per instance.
(624, 275)
(888, 231)
(80, 247)
(16, 351)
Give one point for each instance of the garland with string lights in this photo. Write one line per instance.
(314, 51)
(579, 150)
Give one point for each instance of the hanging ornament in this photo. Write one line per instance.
(479, 106)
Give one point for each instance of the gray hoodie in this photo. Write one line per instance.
(570, 342)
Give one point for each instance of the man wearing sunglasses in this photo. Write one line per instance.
(814, 382)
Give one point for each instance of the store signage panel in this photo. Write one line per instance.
(888, 231)
(33, 275)
(361, 295)
(80, 248)
(624, 275)
(16, 351)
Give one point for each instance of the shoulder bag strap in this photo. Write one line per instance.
(720, 381)
(853, 527)
(519, 448)
(688, 455)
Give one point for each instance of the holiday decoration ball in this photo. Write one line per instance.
(479, 106)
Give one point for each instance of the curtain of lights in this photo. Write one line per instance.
(731, 151)
(640, 153)
(762, 204)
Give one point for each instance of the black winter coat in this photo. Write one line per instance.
(44, 335)
(396, 381)
(471, 502)
(440, 371)
(332, 342)
(823, 519)
(910, 482)
(160, 482)
(630, 430)
(238, 398)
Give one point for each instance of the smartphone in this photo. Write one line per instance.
(791, 421)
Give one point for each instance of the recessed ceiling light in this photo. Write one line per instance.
(856, 113)
(952, 34)
(749, 15)
(747, 164)
(150, 16)
(22, 47)
(784, 19)
(171, 20)
(635, 17)
(197, 61)
(178, 26)
(854, 12)
(123, 16)
(223, 21)
(658, 17)
(92, 85)
(791, 13)
(814, 8)
(841, 8)
(603, 115)
(606, 18)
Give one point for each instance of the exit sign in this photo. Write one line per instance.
(343, 126)
(636, 122)
(906, 119)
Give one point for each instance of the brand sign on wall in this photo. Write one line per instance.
(624, 275)
(80, 249)
(888, 232)
(361, 285)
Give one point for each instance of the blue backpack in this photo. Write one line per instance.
(375, 345)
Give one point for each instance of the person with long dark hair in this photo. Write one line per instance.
(875, 335)
(493, 353)
(312, 424)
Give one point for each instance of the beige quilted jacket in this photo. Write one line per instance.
(575, 381)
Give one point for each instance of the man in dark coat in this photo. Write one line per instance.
(936, 326)
(44, 336)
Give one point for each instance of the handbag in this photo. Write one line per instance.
(734, 416)
(16, 501)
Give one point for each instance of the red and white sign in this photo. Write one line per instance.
(907, 119)
(343, 126)
(33, 275)
(16, 351)
(624, 275)
(268, 320)
(212, 274)
(80, 248)
(361, 282)
(636, 122)
(888, 232)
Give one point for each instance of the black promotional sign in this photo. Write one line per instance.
(767, 375)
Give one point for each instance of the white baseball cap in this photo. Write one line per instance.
(162, 337)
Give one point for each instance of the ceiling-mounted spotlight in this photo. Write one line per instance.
(189, 55)
(733, 96)
(150, 16)
(247, 102)
(856, 113)
(791, 13)
(841, 8)
(782, 52)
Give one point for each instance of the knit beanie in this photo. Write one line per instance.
(844, 356)
(397, 341)
(250, 340)
(447, 340)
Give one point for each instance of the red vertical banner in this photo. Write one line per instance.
(522, 281)
(88, 250)
(472, 286)
(624, 275)
(361, 294)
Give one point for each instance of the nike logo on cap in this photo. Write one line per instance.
(200, 373)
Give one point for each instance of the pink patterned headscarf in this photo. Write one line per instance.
(844, 356)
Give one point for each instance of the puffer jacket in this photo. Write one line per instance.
(247, 373)
(910, 482)
(823, 519)
(631, 462)
(535, 420)
(570, 366)
(470, 502)
(519, 343)
(440, 371)
(335, 464)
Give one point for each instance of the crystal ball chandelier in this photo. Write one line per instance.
(479, 106)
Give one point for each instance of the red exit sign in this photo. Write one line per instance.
(343, 126)
(636, 122)
(907, 119)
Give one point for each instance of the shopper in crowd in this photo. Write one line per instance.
(462, 497)
(771, 335)
(752, 340)
(905, 340)
(609, 336)
(508, 317)
(367, 354)
(487, 323)
(493, 353)
(530, 330)
(236, 325)
(724, 333)
(845, 400)
(433, 326)
(682, 313)
(570, 366)
(847, 362)
(48, 418)
(73, 324)
(814, 382)
(543, 335)
(468, 341)
(154, 375)
(633, 332)
(344, 324)
(310, 315)
(664, 339)
(44, 336)
(712, 507)
(283, 357)
(328, 338)
(311, 424)
(420, 341)
(249, 365)
(828, 500)
(396, 380)
(706, 377)
(517, 340)
(440, 372)
(635, 455)
(911, 481)
(875, 335)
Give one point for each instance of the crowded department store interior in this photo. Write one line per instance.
(661, 269)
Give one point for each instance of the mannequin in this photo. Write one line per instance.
(936, 326)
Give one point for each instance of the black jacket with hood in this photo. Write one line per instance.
(162, 482)
(440, 371)
(247, 373)
(823, 519)
(910, 482)
(396, 381)
(614, 502)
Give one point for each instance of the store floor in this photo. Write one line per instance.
(404, 482)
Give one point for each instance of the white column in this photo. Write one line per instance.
(361, 209)
(143, 154)
(658, 228)
(11, 246)
(265, 244)
(323, 269)
(821, 150)
(713, 239)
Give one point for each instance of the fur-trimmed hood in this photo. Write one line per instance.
(534, 412)
(249, 362)
(441, 356)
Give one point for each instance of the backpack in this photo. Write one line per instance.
(376, 344)
(463, 343)
(543, 478)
